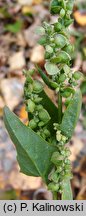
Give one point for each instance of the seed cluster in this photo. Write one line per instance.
(39, 117)
(58, 49)
(59, 60)
(61, 170)
(62, 166)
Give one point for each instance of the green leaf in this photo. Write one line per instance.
(33, 153)
(14, 28)
(52, 110)
(51, 68)
(71, 115)
(67, 192)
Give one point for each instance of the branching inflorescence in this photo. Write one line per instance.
(60, 77)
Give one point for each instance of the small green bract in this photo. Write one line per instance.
(51, 69)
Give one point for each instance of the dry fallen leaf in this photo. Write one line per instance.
(23, 115)
(37, 1)
(29, 34)
(20, 181)
(25, 2)
(78, 61)
(1, 102)
(2, 181)
(27, 9)
(75, 148)
(20, 40)
(12, 91)
(16, 61)
(37, 54)
(82, 194)
(80, 18)
(82, 168)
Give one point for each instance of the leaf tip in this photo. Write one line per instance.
(5, 109)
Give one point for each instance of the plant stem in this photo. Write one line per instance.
(55, 196)
(59, 107)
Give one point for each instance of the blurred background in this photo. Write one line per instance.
(19, 50)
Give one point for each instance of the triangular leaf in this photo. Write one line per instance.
(49, 106)
(71, 115)
(34, 153)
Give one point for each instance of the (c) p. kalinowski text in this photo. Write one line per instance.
(52, 207)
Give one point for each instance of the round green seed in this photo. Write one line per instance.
(57, 27)
(47, 132)
(62, 78)
(77, 75)
(48, 55)
(62, 13)
(44, 116)
(32, 124)
(53, 187)
(49, 49)
(37, 86)
(69, 49)
(41, 123)
(31, 106)
(62, 57)
(39, 107)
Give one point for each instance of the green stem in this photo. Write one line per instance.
(55, 196)
(59, 108)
